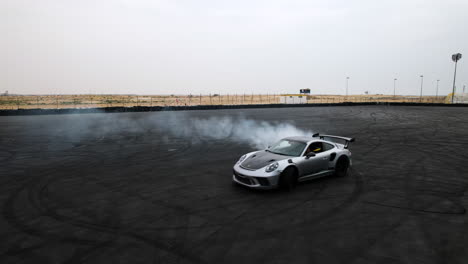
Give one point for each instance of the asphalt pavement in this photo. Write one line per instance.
(155, 187)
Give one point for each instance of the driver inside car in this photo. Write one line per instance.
(314, 147)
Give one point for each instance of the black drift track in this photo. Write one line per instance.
(115, 188)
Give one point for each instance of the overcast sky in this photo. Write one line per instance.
(220, 46)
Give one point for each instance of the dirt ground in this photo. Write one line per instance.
(98, 101)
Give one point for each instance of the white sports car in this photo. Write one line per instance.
(292, 160)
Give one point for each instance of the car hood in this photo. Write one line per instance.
(260, 159)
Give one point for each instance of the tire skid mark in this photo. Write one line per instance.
(7, 155)
(169, 246)
(361, 249)
(230, 229)
(35, 189)
(83, 255)
(351, 199)
(113, 231)
(461, 212)
(409, 194)
(416, 175)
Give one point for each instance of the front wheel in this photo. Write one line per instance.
(288, 179)
(341, 168)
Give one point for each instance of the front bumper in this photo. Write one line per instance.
(256, 179)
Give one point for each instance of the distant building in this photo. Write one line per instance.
(459, 98)
(5, 93)
(293, 99)
(305, 91)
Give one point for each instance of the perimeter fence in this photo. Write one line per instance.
(12, 102)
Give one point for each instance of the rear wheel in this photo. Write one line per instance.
(288, 179)
(341, 168)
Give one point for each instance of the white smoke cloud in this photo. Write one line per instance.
(258, 134)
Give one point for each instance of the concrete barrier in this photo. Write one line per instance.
(198, 107)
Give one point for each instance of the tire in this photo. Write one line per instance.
(288, 179)
(341, 168)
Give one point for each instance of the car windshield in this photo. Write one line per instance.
(288, 148)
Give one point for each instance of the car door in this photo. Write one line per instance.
(321, 161)
(315, 164)
(310, 165)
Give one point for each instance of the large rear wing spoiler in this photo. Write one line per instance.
(341, 140)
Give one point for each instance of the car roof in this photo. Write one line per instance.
(302, 139)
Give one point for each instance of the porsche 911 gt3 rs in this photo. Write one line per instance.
(292, 160)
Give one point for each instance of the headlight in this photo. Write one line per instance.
(272, 167)
(241, 159)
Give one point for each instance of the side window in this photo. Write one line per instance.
(327, 146)
(315, 147)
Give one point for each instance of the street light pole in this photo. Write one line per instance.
(455, 57)
(420, 96)
(437, 88)
(347, 79)
(394, 85)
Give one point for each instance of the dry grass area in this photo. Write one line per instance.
(97, 101)
(313, 99)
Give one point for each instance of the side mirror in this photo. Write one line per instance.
(309, 155)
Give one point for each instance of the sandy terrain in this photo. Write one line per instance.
(96, 101)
